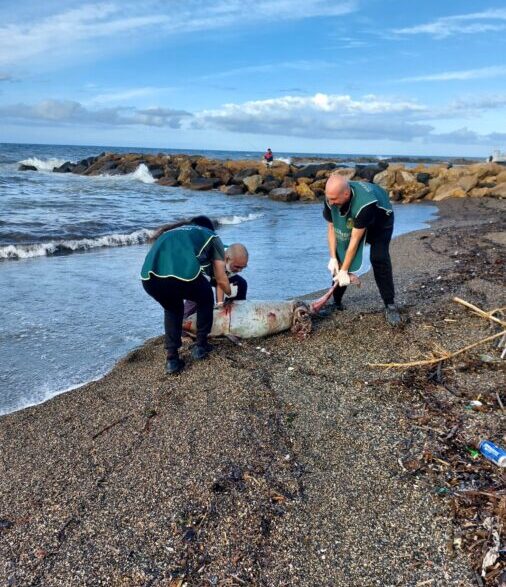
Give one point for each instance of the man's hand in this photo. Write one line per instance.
(343, 278)
(333, 266)
(234, 288)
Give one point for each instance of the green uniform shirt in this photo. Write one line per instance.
(362, 194)
(183, 253)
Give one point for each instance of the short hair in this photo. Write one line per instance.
(203, 221)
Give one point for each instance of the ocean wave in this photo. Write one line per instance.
(287, 160)
(238, 219)
(141, 174)
(43, 164)
(70, 246)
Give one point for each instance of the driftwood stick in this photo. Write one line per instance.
(444, 357)
(480, 312)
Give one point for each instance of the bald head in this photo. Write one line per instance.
(337, 190)
(236, 257)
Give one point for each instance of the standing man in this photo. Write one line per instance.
(236, 259)
(357, 212)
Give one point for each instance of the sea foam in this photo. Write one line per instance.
(70, 246)
(238, 219)
(43, 164)
(140, 174)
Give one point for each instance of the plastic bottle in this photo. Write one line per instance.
(493, 452)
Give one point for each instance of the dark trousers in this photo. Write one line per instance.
(242, 286)
(381, 266)
(170, 293)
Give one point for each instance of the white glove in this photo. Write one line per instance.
(343, 278)
(333, 266)
(234, 288)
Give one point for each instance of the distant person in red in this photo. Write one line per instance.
(268, 157)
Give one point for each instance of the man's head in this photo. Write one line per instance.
(337, 190)
(236, 258)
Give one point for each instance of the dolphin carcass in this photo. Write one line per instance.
(254, 319)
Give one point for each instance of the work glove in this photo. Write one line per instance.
(343, 278)
(233, 291)
(333, 266)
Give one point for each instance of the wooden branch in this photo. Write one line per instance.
(480, 312)
(444, 357)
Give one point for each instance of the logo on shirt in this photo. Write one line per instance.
(349, 223)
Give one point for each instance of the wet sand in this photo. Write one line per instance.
(279, 466)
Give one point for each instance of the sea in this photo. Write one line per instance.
(71, 249)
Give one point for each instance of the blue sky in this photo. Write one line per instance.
(335, 76)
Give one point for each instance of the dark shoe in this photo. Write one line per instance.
(201, 351)
(173, 366)
(392, 315)
(338, 307)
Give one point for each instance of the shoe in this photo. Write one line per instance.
(392, 315)
(338, 307)
(200, 351)
(174, 366)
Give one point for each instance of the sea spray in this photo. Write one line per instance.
(70, 246)
(43, 164)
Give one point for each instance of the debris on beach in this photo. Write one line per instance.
(449, 423)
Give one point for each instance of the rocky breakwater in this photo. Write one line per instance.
(288, 182)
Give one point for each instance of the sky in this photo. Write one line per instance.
(426, 77)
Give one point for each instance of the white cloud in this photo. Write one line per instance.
(57, 33)
(466, 74)
(321, 115)
(67, 112)
(125, 95)
(298, 65)
(464, 136)
(472, 23)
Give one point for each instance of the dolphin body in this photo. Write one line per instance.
(255, 319)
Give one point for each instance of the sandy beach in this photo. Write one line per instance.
(280, 462)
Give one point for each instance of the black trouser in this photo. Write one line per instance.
(381, 266)
(170, 293)
(242, 286)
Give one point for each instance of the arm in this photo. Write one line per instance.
(220, 295)
(220, 275)
(331, 240)
(357, 234)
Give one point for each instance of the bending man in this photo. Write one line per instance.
(236, 259)
(174, 271)
(359, 212)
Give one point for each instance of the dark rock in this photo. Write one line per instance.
(202, 183)
(189, 534)
(423, 178)
(24, 167)
(168, 181)
(284, 195)
(368, 172)
(79, 169)
(5, 524)
(109, 165)
(67, 167)
(233, 190)
(312, 169)
(268, 186)
(288, 182)
(243, 174)
(156, 171)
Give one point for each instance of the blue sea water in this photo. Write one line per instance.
(67, 318)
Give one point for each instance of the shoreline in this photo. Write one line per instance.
(249, 465)
(300, 296)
